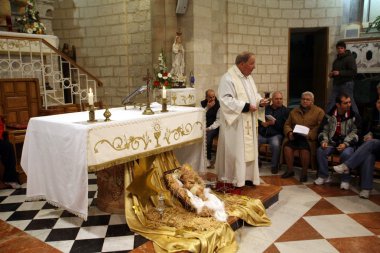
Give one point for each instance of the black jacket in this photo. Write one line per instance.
(281, 114)
(346, 65)
(211, 113)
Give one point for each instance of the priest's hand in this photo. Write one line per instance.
(252, 108)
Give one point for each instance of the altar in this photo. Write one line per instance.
(60, 150)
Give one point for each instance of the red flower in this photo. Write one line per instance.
(166, 83)
(156, 83)
(165, 74)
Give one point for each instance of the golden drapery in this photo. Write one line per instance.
(178, 229)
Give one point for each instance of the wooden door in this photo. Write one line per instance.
(308, 49)
(20, 99)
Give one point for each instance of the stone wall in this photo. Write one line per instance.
(210, 47)
(223, 28)
(113, 41)
(118, 40)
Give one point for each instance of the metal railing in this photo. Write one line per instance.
(62, 80)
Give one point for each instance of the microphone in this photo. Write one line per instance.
(128, 99)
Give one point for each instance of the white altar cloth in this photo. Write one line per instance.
(53, 153)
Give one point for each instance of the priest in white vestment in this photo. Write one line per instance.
(240, 108)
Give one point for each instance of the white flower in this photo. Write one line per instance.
(29, 30)
(165, 77)
(159, 75)
(169, 75)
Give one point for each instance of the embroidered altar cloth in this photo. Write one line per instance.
(59, 150)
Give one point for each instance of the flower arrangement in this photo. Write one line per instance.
(30, 22)
(162, 77)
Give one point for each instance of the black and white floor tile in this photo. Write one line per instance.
(102, 232)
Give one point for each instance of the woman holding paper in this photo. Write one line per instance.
(301, 130)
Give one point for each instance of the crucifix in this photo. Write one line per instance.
(147, 78)
(248, 127)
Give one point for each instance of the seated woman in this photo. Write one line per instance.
(310, 116)
(366, 155)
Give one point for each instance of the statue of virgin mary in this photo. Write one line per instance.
(178, 58)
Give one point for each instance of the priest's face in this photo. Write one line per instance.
(246, 68)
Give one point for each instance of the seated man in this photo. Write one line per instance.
(306, 115)
(7, 156)
(366, 155)
(271, 131)
(211, 104)
(339, 134)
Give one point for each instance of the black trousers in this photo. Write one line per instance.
(209, 137)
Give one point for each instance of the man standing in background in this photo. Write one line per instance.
(343, 72)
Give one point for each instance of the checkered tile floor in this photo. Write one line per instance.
(307, 218)
(101, 232)
(311, 218)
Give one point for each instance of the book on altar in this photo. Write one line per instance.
(270, 117)
(302, 130)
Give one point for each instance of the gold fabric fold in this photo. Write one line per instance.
(180, 230)
(248, 209)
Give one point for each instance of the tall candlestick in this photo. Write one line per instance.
(90, 97)
(164, 92)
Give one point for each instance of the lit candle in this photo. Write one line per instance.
(163, 92)
(90, 97)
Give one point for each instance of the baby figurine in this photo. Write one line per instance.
(192, 183)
